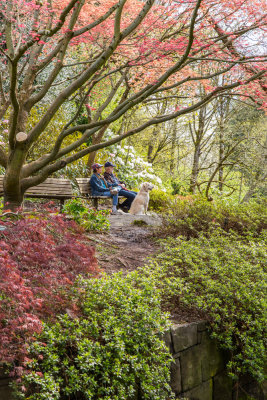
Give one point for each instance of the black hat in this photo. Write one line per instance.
(109, 164)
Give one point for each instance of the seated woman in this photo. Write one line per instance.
(114, 181)
(100, 187)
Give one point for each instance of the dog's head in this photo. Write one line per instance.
(146, 187)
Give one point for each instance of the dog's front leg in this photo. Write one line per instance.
(145, 208)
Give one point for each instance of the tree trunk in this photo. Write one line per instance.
(195, 168)
(13, 195)
(149, 153)
(173, 147)
(221, 155)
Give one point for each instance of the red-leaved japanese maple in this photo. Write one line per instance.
(40, 258)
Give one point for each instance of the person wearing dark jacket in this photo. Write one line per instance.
(113, 180)
(100, 187)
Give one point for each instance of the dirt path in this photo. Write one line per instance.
(127, 245)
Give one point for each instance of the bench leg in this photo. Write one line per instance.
(61, 205)
(95, 203)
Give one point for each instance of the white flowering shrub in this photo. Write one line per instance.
(130, 167)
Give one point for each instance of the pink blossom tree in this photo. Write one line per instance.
(52, 50)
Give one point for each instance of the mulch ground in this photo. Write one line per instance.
(124, 248)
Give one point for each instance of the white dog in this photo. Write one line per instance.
(140, 204)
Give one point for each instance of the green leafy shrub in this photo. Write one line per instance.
(159, 200)
(190, 215)
(90, 219)
(112, 350)
(223, 276)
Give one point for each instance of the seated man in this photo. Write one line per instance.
(114, 181)
(100, 187)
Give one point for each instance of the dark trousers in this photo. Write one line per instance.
(130, 196)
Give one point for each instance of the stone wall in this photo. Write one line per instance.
(199, 368)
(5, 391)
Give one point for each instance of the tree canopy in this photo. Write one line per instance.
(109, 57)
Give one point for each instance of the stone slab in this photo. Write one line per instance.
(201, 392)
(184, 336)
(222, 387)
(123, 220)
(213, 359)
(202, 326)
(176, 383)
(168, 341)
(191, 374)
(5, 390)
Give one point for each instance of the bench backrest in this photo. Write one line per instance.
(84, 186)
(60, 188)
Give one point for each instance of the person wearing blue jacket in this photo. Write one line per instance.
(112, 179)
(100, 187)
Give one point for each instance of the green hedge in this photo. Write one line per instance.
(223, 276)
(112, 349)
(188, 216)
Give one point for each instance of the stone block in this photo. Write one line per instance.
(201, 326)
(176, 383)
(190, 360)
(264, 388)
(213, 359)
(222, 386)
(201, 392)
(184, 336)
(5, 390)
(168, 340)
(199, 337)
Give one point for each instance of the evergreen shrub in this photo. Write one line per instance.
(159, 200)
(190, 215)
(113, 349)
(224, 276)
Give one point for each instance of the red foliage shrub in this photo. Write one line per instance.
(40, 258)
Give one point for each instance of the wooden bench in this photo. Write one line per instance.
(85, 191)
(61, 189)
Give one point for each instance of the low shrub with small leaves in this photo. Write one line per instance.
(190, 215)
(224, 276)
(112, 350)
(159, 200)
(89, 219)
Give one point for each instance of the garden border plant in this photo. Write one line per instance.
(191, 215)
(223, 275)
(113, 349)
(40, 258)
(90, 219)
